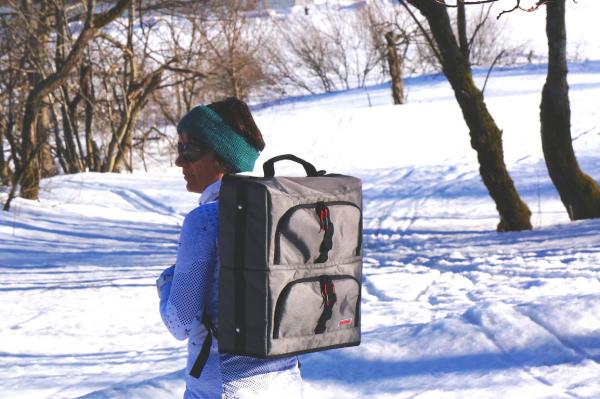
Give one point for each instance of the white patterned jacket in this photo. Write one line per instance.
(189, 289)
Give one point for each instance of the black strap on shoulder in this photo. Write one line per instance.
(329, 299)
(202, 358)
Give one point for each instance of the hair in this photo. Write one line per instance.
(237, 115)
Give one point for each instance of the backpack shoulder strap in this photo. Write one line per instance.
(202, 358)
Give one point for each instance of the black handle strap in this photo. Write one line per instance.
(202, 358)
(269, 166)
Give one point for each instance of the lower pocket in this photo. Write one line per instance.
(317, 305)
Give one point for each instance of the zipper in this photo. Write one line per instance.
(286, 291)
(286, 216)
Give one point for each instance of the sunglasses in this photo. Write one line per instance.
(191, 152)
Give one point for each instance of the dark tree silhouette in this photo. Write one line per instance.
(486, 137)
(578, 192)
(32, 141)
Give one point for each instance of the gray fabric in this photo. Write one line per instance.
(281, 217)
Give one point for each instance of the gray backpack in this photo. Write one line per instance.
(291, 263)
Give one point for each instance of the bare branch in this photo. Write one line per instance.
(487, 76)
(424, 31)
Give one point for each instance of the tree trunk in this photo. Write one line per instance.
(124, 140)
(30, 135)
(115, 146)
(4, 172)
(578, 192)
(87, 88)
(126, 145)
(395, 67)
(486, 137)
(31, 174)
(48, 169)
(60, 149)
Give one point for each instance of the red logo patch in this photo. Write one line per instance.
(345, 322)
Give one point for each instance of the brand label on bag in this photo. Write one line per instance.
(345, 322)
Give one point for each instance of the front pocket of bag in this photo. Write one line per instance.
(301, 304)
(301, 235)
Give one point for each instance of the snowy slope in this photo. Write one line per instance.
(451, 309)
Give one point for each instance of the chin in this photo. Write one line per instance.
(192, 188)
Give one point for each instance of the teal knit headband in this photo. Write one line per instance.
(206, 125)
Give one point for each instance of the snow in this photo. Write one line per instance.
(451, 309)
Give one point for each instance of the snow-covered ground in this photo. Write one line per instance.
(451, 309)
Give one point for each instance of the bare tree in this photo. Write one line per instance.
(395, 62)
(181, 87)
(335, 50)
(234, 40)
(579, 192)
(303, 55)
(486, 137)
(393, 34)
(38, 23)
(130, 89)
(13, 81)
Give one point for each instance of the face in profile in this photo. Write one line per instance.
(199, 165)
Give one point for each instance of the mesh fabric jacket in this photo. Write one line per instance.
(189, 289)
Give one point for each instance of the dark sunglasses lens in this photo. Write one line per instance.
(189, 153)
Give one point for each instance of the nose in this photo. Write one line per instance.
(179, 161)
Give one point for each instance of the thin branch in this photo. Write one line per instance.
(423, 31)
(490, 70)
(467, 3)
(517, 6)
(475, 2)
(478, 27)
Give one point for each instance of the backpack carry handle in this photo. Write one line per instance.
(269, 166)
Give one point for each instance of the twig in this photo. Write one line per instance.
(423, 31)
(490, 70)
(443, 2)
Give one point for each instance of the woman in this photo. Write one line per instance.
(215, 140)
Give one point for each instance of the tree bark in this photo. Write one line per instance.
(578, 192)
(4, 172)
(31, 132)
(68, 111)
(48, 169)
(486, 137)
(60, 149)
(395, 67)
(87, 89)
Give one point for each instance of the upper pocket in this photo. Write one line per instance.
(318, 232)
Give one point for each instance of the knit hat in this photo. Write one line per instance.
(205, 124)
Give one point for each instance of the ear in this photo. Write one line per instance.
(222, 166)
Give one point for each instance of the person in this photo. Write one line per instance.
(215, 140)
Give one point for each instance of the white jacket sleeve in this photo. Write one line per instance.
(184, 298)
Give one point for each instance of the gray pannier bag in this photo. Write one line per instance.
(291, 263)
